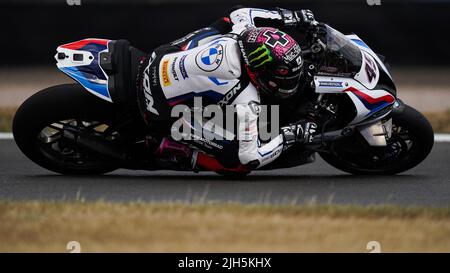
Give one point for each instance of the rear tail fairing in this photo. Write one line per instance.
(81, 61)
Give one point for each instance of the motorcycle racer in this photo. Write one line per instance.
(224, 67)
(253, 70)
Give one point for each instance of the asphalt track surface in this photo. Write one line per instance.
(428, 184)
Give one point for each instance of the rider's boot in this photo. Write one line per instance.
(175, 152)
(190, 159)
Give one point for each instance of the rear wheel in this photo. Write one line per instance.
(39, 125)
(411, 141)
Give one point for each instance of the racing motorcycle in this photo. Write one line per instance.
(94, 126)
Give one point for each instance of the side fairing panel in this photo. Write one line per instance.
(369, 73)
(367, 102)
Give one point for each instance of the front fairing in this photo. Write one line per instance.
(349, 57)
(384, 78)
(352, 68)
(342, 58)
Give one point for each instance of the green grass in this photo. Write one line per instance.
(6, 118)
(191, 227)
(440, 121)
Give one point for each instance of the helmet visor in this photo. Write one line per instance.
(282, 85)
(287, 85)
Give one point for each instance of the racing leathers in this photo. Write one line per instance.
(279, 18)
(207, 64)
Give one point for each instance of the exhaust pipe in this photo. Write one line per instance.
(94, 144)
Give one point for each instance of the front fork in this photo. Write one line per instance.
(378, 132)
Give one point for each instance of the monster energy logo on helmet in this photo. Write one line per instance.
(259, 56)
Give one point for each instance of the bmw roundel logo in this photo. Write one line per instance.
(210, 58)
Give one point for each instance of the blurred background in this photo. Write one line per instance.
(413, 35)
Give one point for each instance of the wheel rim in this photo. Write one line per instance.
(55, 147)
(401, 146)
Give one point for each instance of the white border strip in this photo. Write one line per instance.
(6, 136)
(442, 138)
(437, 137)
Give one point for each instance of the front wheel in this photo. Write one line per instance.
(39, 125)
(411, 141)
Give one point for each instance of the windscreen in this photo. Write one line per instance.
(342, 56)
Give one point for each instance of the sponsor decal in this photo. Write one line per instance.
(293, 54)
(165, 74)
(370, 68)
(152, 69)
(330, 84)
(183, 68)
(206, 142)
(149, 101)
(259, 56)
(173, 70)
(253, 36)
(154, 76)
(210, 58)
(273, 154)
(230, 95)
(275, 37)
(244, 56)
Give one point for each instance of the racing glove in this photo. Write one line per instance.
(299, 18)
(301, 132)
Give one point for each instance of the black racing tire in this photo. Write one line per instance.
(418, 128)
(53, 104)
